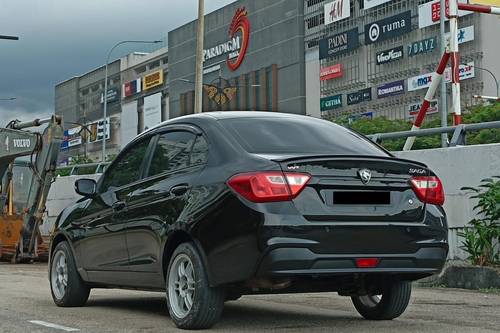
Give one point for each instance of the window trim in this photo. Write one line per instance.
(118, 158)
(169, 129)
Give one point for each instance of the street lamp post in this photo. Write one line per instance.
(9, 37)
(105, 94)
(497, 83)
(7, 99)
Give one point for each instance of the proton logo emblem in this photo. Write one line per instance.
(365, 175)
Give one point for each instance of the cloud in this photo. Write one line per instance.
(60, 39)
(9, 114)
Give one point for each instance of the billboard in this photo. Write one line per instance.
(363, 95)
(414, 108)
(113, 96)
(384, 57)
(430, 13)
(389, 27)
(391, 89)
(152, 110)
(72, 137)
(152, 80)
(337, 10)
(131, 88)
(331, 103)
(129, 123)
(331, 72)
(339, 44)
(373, 3)
(422, 46)
(464, 35)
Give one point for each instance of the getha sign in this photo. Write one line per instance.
(331, 103)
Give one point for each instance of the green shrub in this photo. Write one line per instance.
(481, 239)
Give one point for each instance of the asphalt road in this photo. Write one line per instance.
(26, 305)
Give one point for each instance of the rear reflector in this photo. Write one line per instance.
(367, 262)
(428, 189)
(269, 186)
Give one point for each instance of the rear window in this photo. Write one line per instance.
(298, 136)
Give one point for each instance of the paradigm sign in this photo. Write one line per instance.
(339, 44)
(236, 47)
(390, 27)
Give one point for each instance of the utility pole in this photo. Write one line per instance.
(198, 89)
(443, 107)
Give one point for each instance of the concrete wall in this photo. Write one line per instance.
(459, 167)
(313, 86)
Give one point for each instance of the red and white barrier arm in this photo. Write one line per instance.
(436, 79)
(455, 63)
(479, 8)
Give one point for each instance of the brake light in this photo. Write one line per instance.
(269, 186)
(428, 189)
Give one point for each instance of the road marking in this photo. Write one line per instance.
(55, 326)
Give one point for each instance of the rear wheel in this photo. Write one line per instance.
(192, 303)
(389, 305)
(66, 285)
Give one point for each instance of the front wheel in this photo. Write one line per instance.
(389, 305)
(192, 303)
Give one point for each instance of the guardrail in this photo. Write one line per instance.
(457, 139)
(83, 169)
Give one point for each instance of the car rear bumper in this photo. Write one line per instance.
(288, 261)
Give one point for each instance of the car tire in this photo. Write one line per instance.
(191, 302)
(66, 286)
(387, 306)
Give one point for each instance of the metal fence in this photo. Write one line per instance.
(459, 132)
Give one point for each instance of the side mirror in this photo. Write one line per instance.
(86, 187)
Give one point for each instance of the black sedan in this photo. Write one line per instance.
(211, 207)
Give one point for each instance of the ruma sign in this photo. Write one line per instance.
(331, 72)
(392, 26)
(337, 10)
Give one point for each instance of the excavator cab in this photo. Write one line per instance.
(15, 188)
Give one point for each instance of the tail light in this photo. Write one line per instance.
(269, 186)
(367, 262)
(428, 189)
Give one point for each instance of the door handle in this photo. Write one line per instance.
(119, 206)
(179, 190)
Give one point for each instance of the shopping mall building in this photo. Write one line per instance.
(364, 58)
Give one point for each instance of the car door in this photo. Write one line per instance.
(158, 203)
(103, 242)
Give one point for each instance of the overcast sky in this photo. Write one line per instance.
(60, 39)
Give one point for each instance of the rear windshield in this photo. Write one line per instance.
(298, 136)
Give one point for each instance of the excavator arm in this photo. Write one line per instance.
(15, 142)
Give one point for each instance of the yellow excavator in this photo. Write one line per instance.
(28, 161)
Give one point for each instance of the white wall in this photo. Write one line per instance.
(459, 167)
(313, 84)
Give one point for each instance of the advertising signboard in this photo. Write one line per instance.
(414, 108)
(363, 95)
(422, 46)
(430, 13)
(373, 3)
(131, 88)
(129, 123)
(152, 80)
(113, 96)
(424, 81)
(339, 44)
(152, 110)
(337, 10)
(384, 57)
(391, 89)
(464, 35)
(331, 72)
(331, 103)
(389, 27)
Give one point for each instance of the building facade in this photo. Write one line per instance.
(368, 58)
(254, 59)
(137, 99)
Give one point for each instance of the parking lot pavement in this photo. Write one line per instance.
(26, 306)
